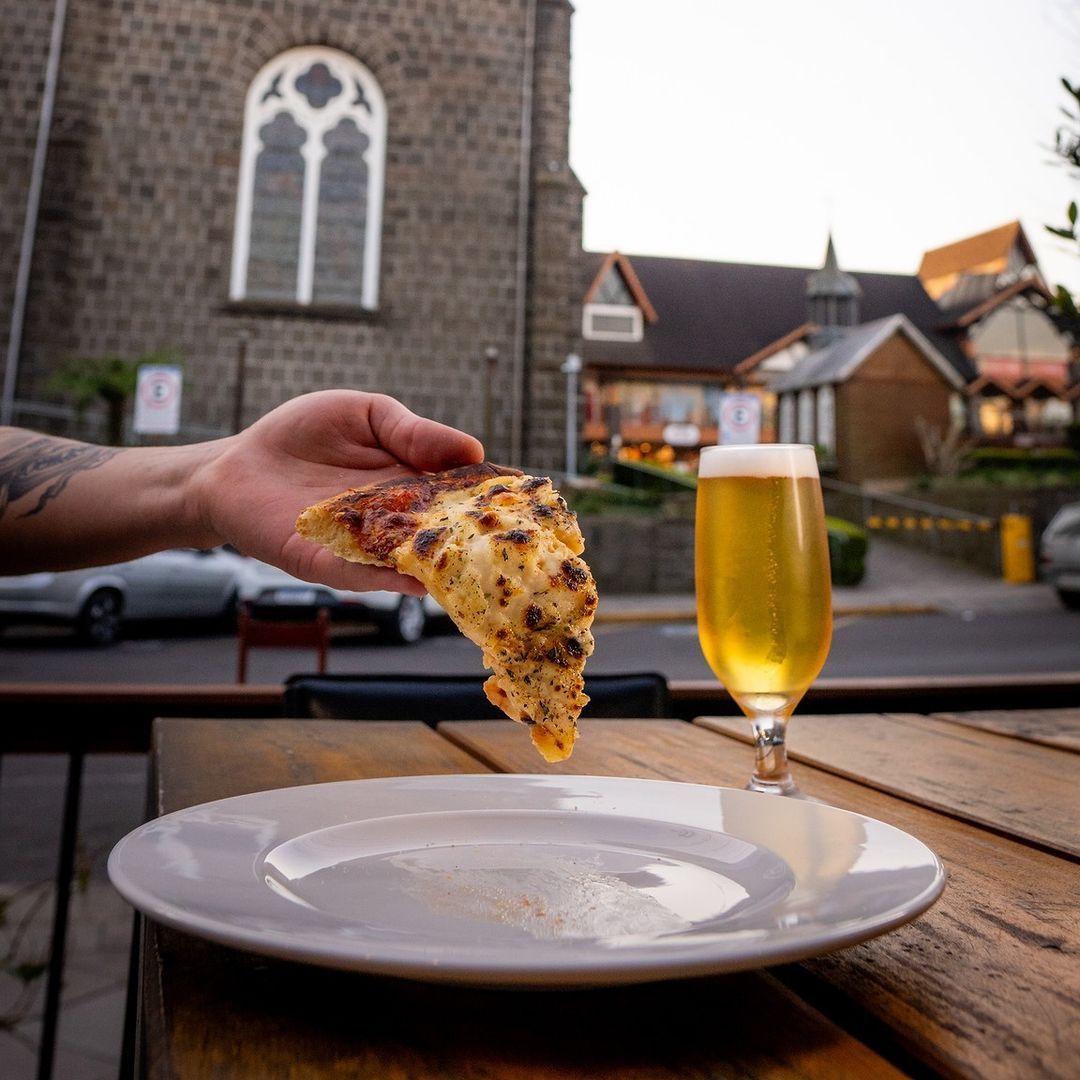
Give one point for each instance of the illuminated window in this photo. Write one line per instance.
(309, 204)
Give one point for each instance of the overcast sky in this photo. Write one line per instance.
(743, 132)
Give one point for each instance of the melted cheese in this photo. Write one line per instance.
(502, 558)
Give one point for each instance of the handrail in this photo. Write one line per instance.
(904, 502)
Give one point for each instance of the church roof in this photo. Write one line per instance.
(710, 316)
(837, 361)
(830, 280)
(987, 253)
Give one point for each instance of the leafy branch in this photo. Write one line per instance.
(1067, 149)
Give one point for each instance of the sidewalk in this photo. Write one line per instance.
(899, 581)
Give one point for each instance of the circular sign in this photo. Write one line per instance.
(159, 389)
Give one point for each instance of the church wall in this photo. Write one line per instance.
(135, 240)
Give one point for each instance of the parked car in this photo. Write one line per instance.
(183, 583)
(398, 618)
(1059, 554)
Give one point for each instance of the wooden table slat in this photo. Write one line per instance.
(984, 985)
(1048, 727)
(1023, 789)
(213, 1011)
(197, 760)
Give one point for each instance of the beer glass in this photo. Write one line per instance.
(764, 604)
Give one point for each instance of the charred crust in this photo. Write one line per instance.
(573, 575)
(426, 539)
(535, 482)
(516, 536)
(555, 655)
(575, 648)
(533, 616)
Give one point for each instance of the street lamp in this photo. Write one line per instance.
(571, 368)
(491, 359)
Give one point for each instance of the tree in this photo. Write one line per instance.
(110, 379)
(1067, 148)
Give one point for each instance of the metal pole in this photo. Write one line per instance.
(571, 368)
(518, 369)
(241, 377)
(33, 201)
(491, 358)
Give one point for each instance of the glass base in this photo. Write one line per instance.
(786, 786)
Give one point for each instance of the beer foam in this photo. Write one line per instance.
(758, 459)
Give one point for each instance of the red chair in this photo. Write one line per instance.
(281, 633)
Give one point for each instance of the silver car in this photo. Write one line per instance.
(1059, 554)
(399, 618)
(182, 583)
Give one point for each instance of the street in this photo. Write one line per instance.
(1034, 640)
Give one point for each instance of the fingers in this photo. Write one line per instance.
(424, 444)
(339, 574)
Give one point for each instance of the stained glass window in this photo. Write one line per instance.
(309, 204)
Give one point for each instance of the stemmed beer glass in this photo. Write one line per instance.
(764, 603)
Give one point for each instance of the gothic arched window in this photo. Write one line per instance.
(309, 205)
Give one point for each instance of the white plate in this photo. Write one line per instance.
(526, 880)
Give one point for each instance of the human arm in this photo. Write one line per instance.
(65, 504)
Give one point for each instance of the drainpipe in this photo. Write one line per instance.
(33, 201)
(518, 372)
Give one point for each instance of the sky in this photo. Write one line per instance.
(746, 131)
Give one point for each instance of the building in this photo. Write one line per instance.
(291, 196)
(854, 362)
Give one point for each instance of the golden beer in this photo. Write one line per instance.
(763, 595)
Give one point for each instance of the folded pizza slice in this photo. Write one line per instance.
(499, 551)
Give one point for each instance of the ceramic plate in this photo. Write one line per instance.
(526, 880)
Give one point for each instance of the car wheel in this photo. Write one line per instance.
(99, 620)
(406, 625)
(1069, 598)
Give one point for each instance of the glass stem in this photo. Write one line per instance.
(771, 773)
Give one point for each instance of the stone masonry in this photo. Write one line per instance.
(134, 242)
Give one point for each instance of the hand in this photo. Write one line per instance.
(254, 485)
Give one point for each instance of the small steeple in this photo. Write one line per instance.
(832, 296)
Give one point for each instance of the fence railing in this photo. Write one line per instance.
(944, 530)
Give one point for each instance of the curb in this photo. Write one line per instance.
(673, 615)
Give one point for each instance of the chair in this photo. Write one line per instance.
(434, 698)
(313, 632)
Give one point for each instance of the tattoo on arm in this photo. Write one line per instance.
(44, 462)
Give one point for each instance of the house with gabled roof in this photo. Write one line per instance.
(847, 360)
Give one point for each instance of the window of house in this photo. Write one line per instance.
(826, 419)
(309, 204)
(611, 322)
(612, 314)
(805, 417)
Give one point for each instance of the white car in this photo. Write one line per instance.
(182, 583)
(1059, 554)
(399, 618)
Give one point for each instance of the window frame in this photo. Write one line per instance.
(260, 109)
(636, 333)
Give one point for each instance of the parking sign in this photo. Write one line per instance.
(740, 419)
(157, 400)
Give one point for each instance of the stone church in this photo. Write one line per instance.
(290, 195)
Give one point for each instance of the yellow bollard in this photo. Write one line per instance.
(1017, 550)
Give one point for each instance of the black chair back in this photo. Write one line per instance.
(434, 698)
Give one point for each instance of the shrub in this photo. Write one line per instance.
(848, 545)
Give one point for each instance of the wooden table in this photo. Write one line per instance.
(986, 984)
